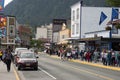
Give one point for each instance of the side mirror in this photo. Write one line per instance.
(37, 57)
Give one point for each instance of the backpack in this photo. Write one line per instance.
(3, 56)
(118, 56)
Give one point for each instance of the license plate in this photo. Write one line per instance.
(27, 64)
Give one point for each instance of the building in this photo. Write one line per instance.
(57, 26)
(85, 28)
(41, 32)
(24, 33)
(45, 31)
(64, 33)
(7, 30)
(49, 31)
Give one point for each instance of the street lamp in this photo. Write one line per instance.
(81, 3)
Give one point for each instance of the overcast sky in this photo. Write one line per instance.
(6, 2)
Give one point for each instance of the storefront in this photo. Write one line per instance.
(101, 43)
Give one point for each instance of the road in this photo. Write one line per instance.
(54, 69)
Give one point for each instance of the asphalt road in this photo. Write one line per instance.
(54, 69)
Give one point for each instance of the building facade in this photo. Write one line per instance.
(45, 31)
(64, 34)
(24, 33)
(7, 30)
(85, 26)
(41, 32)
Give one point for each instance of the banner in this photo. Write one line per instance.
(1, 5)
(3, 24)
(114, 14)
(102, 18)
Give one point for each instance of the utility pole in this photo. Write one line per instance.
(81, 3)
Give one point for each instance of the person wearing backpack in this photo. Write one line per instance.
(7, 58)
(1, 54)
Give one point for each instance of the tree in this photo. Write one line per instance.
(37, 44)
(115, 3)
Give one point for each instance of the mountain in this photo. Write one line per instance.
(38, 12)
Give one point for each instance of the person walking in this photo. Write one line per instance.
(96, 55)
(1, 54)
(118, 57)
(104, 57)
(7, 59)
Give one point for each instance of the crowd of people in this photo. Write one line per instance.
(107, 57)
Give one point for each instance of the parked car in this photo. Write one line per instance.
(27, 59)
(17, 49)
(16, 57)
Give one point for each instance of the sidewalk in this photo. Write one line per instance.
(4, 75)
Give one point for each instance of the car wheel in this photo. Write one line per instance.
(19, 68)
(36, 68)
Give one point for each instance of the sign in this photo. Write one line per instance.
(3, 24)
(1, 5)
(59, 21)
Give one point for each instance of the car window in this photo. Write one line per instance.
(27, 55)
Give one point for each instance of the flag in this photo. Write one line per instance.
(114, 14)
(102, 18)
(1, 5)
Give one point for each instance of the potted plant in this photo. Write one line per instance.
(117, 26)
(108, 28)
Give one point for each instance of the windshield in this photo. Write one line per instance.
(27, 55)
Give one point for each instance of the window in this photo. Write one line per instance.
(72, 29)
(77, 28)
(77, 13)
(73, 16)
(63, 36)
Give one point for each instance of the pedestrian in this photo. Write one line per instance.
(109, 57)
(1, 54)
(7, 59)
(96, 55)
(68, 53)
(82, 55)
(104, 57)
(118, 56)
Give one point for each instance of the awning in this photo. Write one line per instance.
(72, 38)
(8, 43)
(62, 42)
(99, 39)
(90, 39)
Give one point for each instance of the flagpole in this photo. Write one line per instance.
(81, 2)
(113, 16)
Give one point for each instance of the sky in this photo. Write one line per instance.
(6, 2)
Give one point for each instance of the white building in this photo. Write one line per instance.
(85, 22)
(41, 32)
(44, 31)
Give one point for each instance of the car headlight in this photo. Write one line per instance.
(21, 61)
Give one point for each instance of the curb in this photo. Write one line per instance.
(18, 75)
(91, 64)
(16, 72)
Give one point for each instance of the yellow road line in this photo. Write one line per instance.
(89, 72)
(95, 74)
(15, 72)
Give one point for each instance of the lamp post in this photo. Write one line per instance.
(81, 3)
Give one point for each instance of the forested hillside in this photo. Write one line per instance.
(37, 12)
